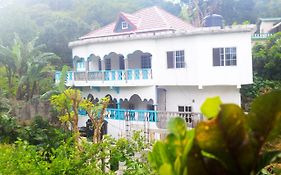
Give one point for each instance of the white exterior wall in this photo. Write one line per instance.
(199, 68)
(192, 96)
(146, 92)
(266, 26)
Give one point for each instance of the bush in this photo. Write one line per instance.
(42, 134)
(9, 129)
(24, 158)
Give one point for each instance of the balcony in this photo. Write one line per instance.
(106, 75)
(132, 115)
(261, 36)
(160, 118)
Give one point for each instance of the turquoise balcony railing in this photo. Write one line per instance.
(132, 115)
(125, 114)
(69, 76)
(108, 75)
(160, 117)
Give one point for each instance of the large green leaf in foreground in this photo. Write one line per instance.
(229, 143)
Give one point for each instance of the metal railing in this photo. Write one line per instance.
(131, 115)
(261, 35)
(108, 75)
(191, 118)
(160, 117)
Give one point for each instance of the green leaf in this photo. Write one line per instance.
(166, 169)
(211, 107)
(265, 117)
(194, 161)
(177, 126)
(226, 138)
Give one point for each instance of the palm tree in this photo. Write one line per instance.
(27, 63)
(38, 68)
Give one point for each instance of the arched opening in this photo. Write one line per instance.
(135, 102)
(93, 63)
(139, 60)
(113, 61)
(112, 102)
(80, 65)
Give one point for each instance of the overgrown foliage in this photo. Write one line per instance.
(24, 158)
(266, 67)
(26, 63)
(68, 104)
(229, 142)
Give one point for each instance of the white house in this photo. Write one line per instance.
(155, 65)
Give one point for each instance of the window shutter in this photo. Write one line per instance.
(170, 60)
(216, 57)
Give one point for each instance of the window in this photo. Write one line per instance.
(121, 63)
(175, 59)
(107, 63)
(224, 56)
(146, 62)
(80, 65)
(124, 25)
(184, 108)
(230, 56)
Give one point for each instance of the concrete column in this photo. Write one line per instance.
(126, 67)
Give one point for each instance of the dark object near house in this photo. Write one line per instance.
(89, 131)
(213, 20)
(83, 131)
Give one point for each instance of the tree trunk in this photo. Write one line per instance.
(33, 90)
(10, 79)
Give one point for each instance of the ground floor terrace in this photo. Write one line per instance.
(149, 108)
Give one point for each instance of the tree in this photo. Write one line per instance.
(12, 60)
(27, 63)
(198, 9)
(96, 113)
(67, 104)
(267, 58)
(15, 19)
(267, 70)
(57, 34)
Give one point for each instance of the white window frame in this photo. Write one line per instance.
(146, 62)
(178, 59)
(227, 56)
(186, 108)
(124, 25)
(230, 52)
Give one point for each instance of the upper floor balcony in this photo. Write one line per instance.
(105, 76)
(112, 70)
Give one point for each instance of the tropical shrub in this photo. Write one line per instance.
(24, 158)
(42, 134)
(229, 142)
(9, 129)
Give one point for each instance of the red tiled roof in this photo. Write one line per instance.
(146, 20)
